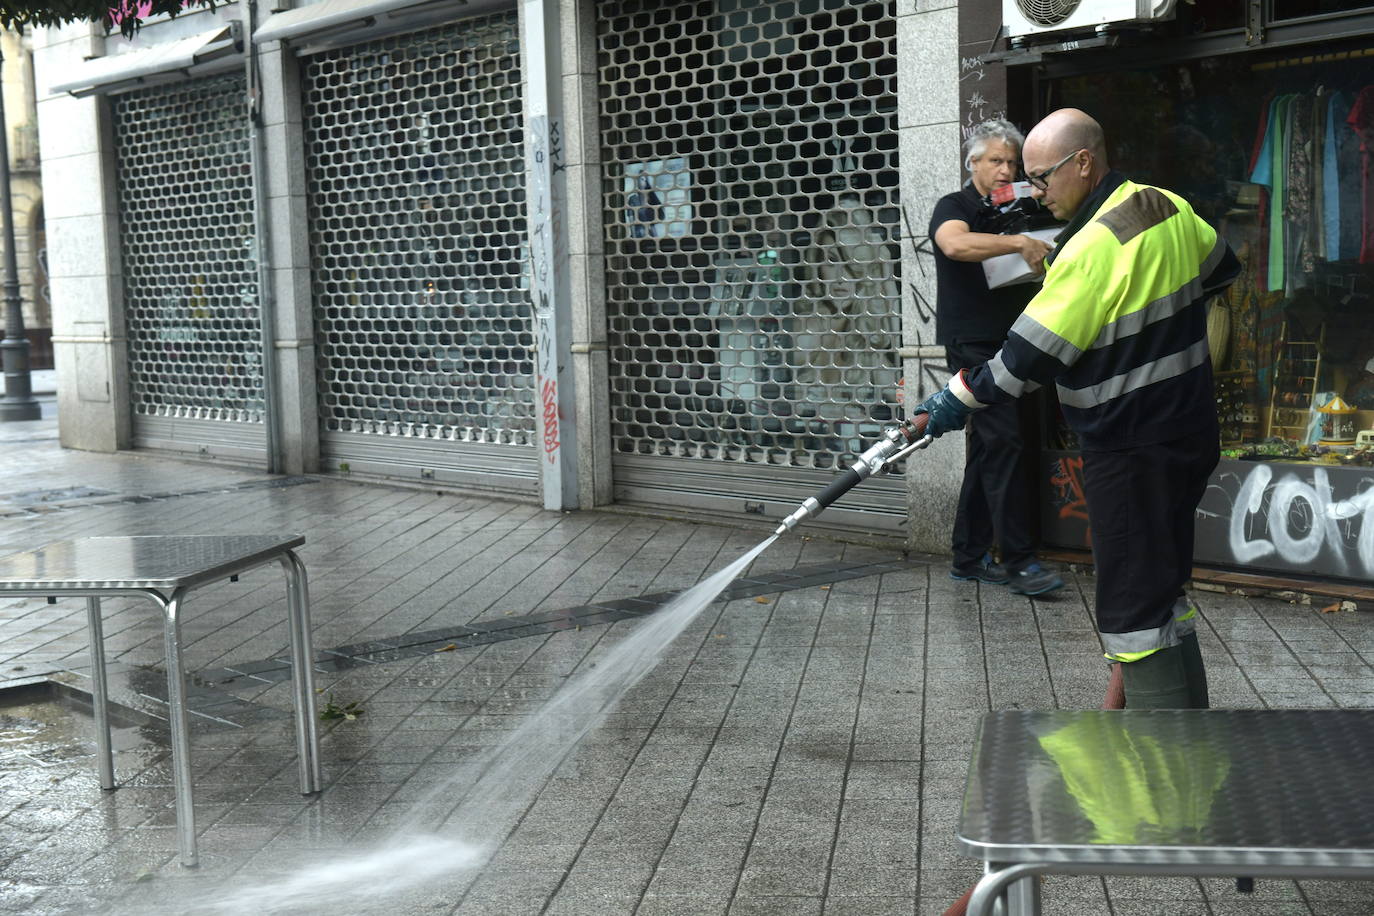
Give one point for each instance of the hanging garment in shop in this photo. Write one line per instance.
(1361, 118)
(1300, 257)
(1341, 161)
(1271, 170)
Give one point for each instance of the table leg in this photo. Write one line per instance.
(1007, 890)
(1023, 897)
(302, 673)
(100, 695)
(181, 742)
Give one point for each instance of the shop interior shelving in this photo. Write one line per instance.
(1296, 377)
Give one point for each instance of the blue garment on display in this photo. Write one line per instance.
(1337, 108)
(1264, 163)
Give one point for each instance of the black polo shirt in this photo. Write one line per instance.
(965, 309)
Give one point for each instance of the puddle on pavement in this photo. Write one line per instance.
(49, 724)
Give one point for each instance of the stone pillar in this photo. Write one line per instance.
(587, 252)
(288, 224)
(928, 129)
(83, 249)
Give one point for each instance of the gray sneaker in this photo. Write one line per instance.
(1035, 580)
(983, 571)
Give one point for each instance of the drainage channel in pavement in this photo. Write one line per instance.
(207, 701)
(143, 689)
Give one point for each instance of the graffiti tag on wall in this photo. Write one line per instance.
(1067, 498)
(1271, 517)
(546, 218)
(1314, 519)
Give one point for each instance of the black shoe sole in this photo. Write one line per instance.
(974, 577)
(1039, 591)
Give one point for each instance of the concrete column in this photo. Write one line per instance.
(587, 252)
(551, 291)
(288, 222)
(83, 249)
(928, 149)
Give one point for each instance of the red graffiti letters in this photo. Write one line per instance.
(548, 394)
(1067, 480)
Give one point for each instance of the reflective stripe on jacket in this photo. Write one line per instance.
(1120, 323)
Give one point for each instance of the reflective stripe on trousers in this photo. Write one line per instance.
(1137, 644)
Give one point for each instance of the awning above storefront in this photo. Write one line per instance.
(205, 52)
(356, 20)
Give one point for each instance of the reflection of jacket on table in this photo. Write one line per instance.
(1135, 786)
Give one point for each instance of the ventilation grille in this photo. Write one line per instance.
(1047, 13)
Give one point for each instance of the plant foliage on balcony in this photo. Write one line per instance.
(125, 15)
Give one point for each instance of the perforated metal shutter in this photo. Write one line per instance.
(415, 157)
(190, 276)
(752, 262)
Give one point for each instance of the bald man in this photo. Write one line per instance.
(1120, 326)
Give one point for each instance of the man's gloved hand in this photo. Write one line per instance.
(944, 411)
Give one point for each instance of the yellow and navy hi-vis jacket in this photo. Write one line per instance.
(1120, 323)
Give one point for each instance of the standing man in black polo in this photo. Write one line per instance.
(972, 321)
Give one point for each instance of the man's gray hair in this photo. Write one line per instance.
(989, 131)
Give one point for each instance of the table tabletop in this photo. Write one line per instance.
(1281, 788)
(140, 562)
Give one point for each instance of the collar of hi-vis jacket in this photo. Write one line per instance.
(1086, 211)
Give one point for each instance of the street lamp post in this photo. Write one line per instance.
(18, 402)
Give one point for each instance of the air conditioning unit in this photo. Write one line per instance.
(1024, 18)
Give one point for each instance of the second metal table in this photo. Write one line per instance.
(1222, 793)
(164, 570)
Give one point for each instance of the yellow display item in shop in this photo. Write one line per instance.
(1338, 423)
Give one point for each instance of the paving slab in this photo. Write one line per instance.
(799, 749)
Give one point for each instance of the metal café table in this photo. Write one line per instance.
(164, 570)
(1244, 793)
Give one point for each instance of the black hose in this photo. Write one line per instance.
(842, 484)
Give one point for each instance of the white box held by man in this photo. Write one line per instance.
(1007, 269)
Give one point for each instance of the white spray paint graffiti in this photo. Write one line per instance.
(1296, 519)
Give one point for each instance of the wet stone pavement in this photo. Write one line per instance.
(800, 749)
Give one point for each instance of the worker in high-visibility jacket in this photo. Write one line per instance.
(1120, 324)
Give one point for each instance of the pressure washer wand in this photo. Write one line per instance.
(896, 443)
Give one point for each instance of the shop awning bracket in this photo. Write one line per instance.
(217, 49)
(1254, 23)
(360, 20)
(1036, 54)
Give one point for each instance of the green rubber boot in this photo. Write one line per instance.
(1196, 672)
(1172, 678)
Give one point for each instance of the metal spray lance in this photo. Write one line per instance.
(896, 443)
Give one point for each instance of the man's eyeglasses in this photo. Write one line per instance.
(1042, 181)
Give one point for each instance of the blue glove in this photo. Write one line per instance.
(944, 413)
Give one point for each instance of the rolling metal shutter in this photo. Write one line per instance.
(415, 164)
(752, 262)
(190, 279)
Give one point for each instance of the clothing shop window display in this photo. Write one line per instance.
(996, 498)
(1276, 150)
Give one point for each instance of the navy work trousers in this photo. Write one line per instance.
(1141, 503)
(995, 499)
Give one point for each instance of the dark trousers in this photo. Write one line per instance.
(995, 499)
(1141, 503)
